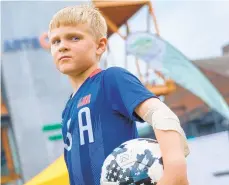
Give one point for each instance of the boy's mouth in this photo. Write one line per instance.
(64, 57)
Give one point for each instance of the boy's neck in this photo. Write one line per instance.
(77, 81)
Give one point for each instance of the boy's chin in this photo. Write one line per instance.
(68, 72)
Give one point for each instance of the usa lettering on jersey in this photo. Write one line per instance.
(87, 127)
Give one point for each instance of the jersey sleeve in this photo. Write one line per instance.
(125, 92)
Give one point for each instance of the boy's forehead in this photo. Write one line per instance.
(63, 30)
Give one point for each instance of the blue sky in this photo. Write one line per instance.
(198, 29)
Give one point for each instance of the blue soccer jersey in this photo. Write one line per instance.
(97, 119)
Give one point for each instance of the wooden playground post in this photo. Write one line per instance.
(154, 17)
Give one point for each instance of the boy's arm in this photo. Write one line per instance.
(171, 139)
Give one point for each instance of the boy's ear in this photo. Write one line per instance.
(102, 45)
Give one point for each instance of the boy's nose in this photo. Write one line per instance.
(63, 47)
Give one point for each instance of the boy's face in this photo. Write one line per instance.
(74, 48)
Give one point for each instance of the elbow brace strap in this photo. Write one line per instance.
(162, 118)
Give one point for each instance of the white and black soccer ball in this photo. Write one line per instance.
(135, 162)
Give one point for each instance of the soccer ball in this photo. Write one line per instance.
(135, 162)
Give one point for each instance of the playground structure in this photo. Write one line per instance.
(163, 61)
(117, 14)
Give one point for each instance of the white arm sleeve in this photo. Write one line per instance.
(162, 118)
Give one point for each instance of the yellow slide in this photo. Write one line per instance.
(56, 174)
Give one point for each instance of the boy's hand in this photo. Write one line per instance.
(175, 169)
(168, 181)
(173, 177)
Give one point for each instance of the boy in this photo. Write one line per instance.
(101, 113)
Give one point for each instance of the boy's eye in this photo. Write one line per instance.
(75, 38)
(54, 42)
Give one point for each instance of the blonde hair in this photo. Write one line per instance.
(81, 14)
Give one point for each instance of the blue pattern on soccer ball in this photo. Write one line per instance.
(137, 172)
